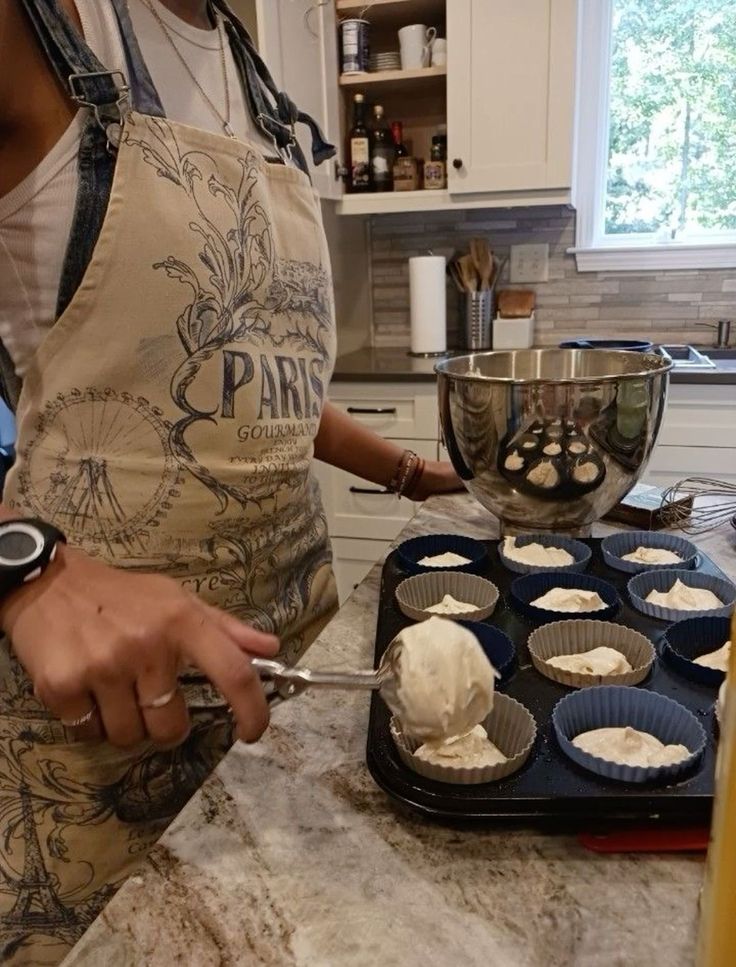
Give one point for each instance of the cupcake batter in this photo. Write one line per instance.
(445, 682)
(536, 554)
(681, 597)
(472, 750)
(586, 472)
(570, 599)
(448, 559)
(652, 555)
(514, 461)
(597, 661)
(629, 747)
(544, 475)
(716, 659)
(552, 449)
(450, 605)
(577, 446)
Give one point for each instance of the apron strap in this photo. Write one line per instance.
(273, 111)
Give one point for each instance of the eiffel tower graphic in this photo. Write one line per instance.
(37, 909)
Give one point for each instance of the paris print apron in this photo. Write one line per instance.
(167, 425)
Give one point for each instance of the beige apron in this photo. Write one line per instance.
(167, 425)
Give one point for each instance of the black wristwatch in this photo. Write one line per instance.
(27, 547)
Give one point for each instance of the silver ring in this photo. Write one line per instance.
(163, 700)
(82, 720)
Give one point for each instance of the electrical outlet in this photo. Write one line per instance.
(529, 263)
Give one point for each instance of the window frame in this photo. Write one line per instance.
(595, 252)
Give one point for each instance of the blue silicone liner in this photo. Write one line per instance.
(692, 638)
(532, 586)
(662, 580)
(498, 647)
(412, 551)
(581, 552)
(614, 547)
(616, 706)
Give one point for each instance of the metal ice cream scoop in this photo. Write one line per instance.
(285, 681)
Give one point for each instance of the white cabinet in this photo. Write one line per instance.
(510, 94)
(297, 39)
(697, 436)
(363, 520)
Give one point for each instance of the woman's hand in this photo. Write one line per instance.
(98, 640)
(438, 478)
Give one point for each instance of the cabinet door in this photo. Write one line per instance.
(510, 94)
(298, 41)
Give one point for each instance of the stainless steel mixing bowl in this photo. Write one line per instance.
(551, 439)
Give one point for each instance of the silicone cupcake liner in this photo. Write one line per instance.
(532, 586)
(417, 548)
(615, 706)
(581, 552)
(574, 636)
(498, 647)
(615, 546)
(662, 580)
(510, 726)
(416, 594)
(692, 638)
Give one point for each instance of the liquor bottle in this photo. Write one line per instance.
(359, 149)
(397, 132)
(383, 153)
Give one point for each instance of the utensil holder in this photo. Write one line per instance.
(479, 309)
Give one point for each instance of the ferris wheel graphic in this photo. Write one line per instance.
(100, 467)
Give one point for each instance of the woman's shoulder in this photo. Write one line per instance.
(34, 108)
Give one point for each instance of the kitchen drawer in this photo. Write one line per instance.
(353, 512)
(394, 410)
(670, 464)
(353, 559)
(699, 416)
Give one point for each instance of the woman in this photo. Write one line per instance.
(167, 325)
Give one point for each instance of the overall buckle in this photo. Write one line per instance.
(109, 116)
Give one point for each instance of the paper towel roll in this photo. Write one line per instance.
(428, 304)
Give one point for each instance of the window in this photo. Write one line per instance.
(655, 183)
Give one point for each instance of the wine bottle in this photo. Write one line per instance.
(383, 153)
(397, 131)
(359, 149)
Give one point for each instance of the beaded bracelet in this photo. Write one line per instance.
(403, 473)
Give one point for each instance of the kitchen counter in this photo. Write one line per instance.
(290, 855)
(389, 365)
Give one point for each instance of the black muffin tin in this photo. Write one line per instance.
(550, 789)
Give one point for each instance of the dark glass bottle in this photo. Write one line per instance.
(359, 149)
(383, 153)
(397, 132)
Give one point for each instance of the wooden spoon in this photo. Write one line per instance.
(483, 261)
(468, 274)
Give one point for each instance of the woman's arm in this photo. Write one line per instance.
(345, 443)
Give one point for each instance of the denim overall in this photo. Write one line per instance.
(166, 424)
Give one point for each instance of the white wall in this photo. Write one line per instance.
(246, 10)
(349, 252)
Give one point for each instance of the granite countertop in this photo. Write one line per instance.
(290, 856)
(386, 365)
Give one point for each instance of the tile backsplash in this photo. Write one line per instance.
(661, 306)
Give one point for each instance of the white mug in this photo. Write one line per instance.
(439, 52)
(416, 46)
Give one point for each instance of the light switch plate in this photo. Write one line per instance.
(529, 263)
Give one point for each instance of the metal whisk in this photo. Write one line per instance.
(713, 504)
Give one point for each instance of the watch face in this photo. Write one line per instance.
(19, 544)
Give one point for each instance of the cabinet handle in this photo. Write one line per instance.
(457, 164)
(368, 490)
(374, 410)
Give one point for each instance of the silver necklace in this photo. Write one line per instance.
(224, 121)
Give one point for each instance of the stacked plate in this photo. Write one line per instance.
(388, 61)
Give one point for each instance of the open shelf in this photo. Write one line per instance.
(388, 202)
(405, 81)
(410, 11)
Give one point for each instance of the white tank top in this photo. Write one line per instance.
(36, 216)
